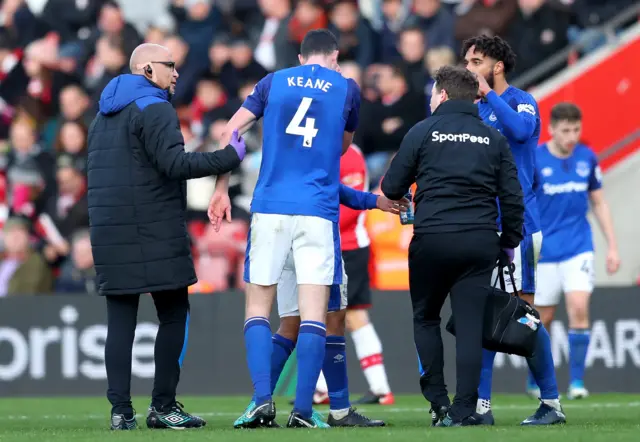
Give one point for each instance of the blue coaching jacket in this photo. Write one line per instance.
(137, 169)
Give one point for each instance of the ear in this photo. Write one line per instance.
(498, 68)
(301, 59)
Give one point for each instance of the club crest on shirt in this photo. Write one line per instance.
(547, 172)
(583, 169)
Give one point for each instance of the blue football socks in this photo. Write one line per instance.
(311, 349)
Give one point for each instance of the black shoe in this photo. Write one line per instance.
(546, 415)
(124, 421)
(260, 416)
(174, 418)
(469, 421)
(354, 419)
(438, 413)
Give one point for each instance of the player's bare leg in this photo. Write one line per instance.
(369, 351)
(578, 312)
(257, 334)
(312, 301)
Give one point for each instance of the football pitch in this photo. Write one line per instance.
(609, 417)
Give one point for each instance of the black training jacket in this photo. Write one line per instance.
(461, 167)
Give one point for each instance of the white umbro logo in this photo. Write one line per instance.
(338, 358)
(493, 117)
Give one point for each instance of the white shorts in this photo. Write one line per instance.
(572, 275)
(288, 292)
(524, 265)
(313, 241)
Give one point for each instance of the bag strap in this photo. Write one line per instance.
(500, 278)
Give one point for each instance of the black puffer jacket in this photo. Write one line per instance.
(137, 169)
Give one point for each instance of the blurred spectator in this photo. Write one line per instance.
(74, 106)
(269, 31)
(219, 54)
(197, 21)
(354, 34)
(489, 17)
(72, 140)
(412, 50)
(385, 122)
(210, 97)
(436, 21)
(388, 24)
(538, 31)
(109, 61)
(188, 68)
(78, 275)
(68, 208)
(434, 60)
(155, 35)
(240, 67)
(307, 15)
(71, 19)
(26, 152)
(111, 23)
(22, 270)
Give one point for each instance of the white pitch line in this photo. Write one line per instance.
(381, 410)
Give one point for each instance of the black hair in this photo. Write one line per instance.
(494, 47)
(458, 82)
(565, 112)
(318, 42)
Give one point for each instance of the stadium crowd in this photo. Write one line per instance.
(56, 56)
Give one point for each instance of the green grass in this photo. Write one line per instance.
(605, 418)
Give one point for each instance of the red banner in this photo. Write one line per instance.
(607, 91)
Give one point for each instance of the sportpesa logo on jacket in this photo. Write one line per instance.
(461, 138)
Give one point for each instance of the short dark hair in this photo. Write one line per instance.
(565, 112)
(494, 47)
(460, 83)
(318, 42)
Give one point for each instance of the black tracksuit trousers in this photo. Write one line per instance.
(459, 264)
(172, 307)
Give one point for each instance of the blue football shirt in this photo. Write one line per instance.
(306, 111)
(515, 114)
(563, 200)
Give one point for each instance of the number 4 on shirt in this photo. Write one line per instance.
(308, 131)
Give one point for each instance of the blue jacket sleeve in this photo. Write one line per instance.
(357, 200)
(519, 123)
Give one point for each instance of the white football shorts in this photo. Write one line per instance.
(314, 243)
(572, 275)
(288, 292)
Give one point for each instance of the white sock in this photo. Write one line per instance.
(483, 406)
(339, 414)
(369, 351)
(321, 385)
(553, 403)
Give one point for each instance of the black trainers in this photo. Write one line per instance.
(354, 419)
(124, 421)
(438, 413)
(174, 418)
(472, 420)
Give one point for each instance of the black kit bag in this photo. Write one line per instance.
(506, 326)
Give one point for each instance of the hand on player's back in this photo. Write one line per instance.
(386, 205)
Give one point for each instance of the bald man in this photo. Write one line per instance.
(137, 167)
